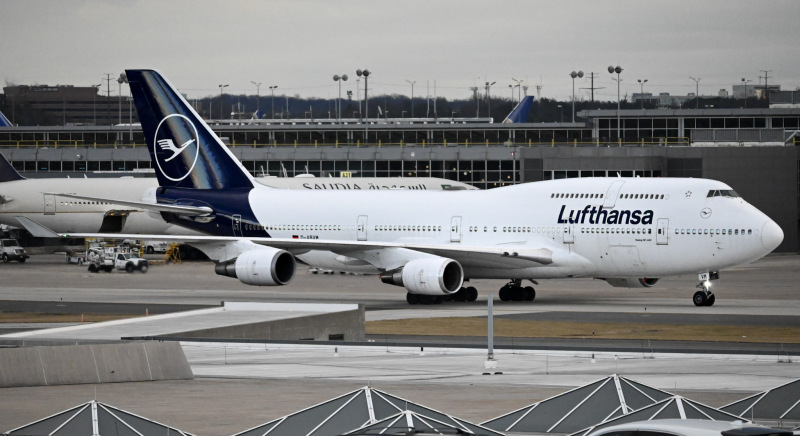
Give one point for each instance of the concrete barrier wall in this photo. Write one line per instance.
(102, 363)
(345, 325)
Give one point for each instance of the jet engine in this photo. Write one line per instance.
(428, 276)
(262, 267)
(632, 282)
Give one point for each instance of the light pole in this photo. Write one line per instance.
(258, 98)
(412, 96)
(120, 80)
(697, 91)
(574, 75)
(744, 82)
(489, 98)
(511, 88)
(339, 79)
(561, 111)
(94, 102)
(220, 99)
(272, 100)
(519, 88)
(365, 73)
(641, 90)
(617, 70)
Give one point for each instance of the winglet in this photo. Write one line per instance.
(186, 153)
(7, 172)
(520, 113)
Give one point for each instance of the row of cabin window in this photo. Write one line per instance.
(713, 231)
(296, 227)
(576, 195)
(76, 203)
(617, 230)
(642, 196)
(399, 228)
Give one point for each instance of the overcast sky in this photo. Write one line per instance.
(299, 45)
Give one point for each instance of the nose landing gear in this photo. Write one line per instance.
(704, 297)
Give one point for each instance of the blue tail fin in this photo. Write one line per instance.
(185, 151)
(520, 113)
(4, 122)
(7, 172)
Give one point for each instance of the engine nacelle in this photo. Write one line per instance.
(632, 282)
(262, 267)
(428, 276)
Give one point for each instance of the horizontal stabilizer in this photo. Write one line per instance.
(36, 229)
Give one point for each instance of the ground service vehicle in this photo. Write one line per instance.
(11, 250)
(109, 259)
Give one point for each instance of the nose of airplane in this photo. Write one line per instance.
(771, 235)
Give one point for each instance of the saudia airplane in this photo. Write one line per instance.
(627, 231)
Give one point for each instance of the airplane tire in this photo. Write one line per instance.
(699, 298)
(471, 294)
(412, 298)
(711, 300)
(517, 294)
(504, 294)
(461, 295)
(530, 293)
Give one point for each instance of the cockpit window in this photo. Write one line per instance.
(730, 193)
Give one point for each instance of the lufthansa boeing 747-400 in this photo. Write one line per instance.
(626, 231)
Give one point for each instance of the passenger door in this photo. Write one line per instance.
(361, 228)
(49, 204)
(662, 237)
(455, 229)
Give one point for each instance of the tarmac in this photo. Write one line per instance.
(241, 385)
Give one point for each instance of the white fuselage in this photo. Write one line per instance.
(595, 227)
(28, 198)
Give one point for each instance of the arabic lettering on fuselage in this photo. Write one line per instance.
(598, 215)
(345, 186)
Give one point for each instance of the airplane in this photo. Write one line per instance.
(629, 232)
(30, 203)
(4, 122)
(520, 112)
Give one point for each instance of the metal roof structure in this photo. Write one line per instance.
(353, 411)
(581, 407)
(95, 419)
(411, 423)
(780, 403)
(675, 407)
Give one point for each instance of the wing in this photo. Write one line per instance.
(507, 256)
(158, 207)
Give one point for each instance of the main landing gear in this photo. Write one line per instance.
(514, 291)
(704, 297)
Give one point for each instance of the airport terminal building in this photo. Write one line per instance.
(753, 150)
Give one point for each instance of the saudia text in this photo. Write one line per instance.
(598, 215)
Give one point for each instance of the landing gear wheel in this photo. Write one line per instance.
(700, 299)
(471, 294)
(710, 300)
(529, 293)
(412, 298)
(505, 293)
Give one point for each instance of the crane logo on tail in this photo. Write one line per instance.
(176, 128)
